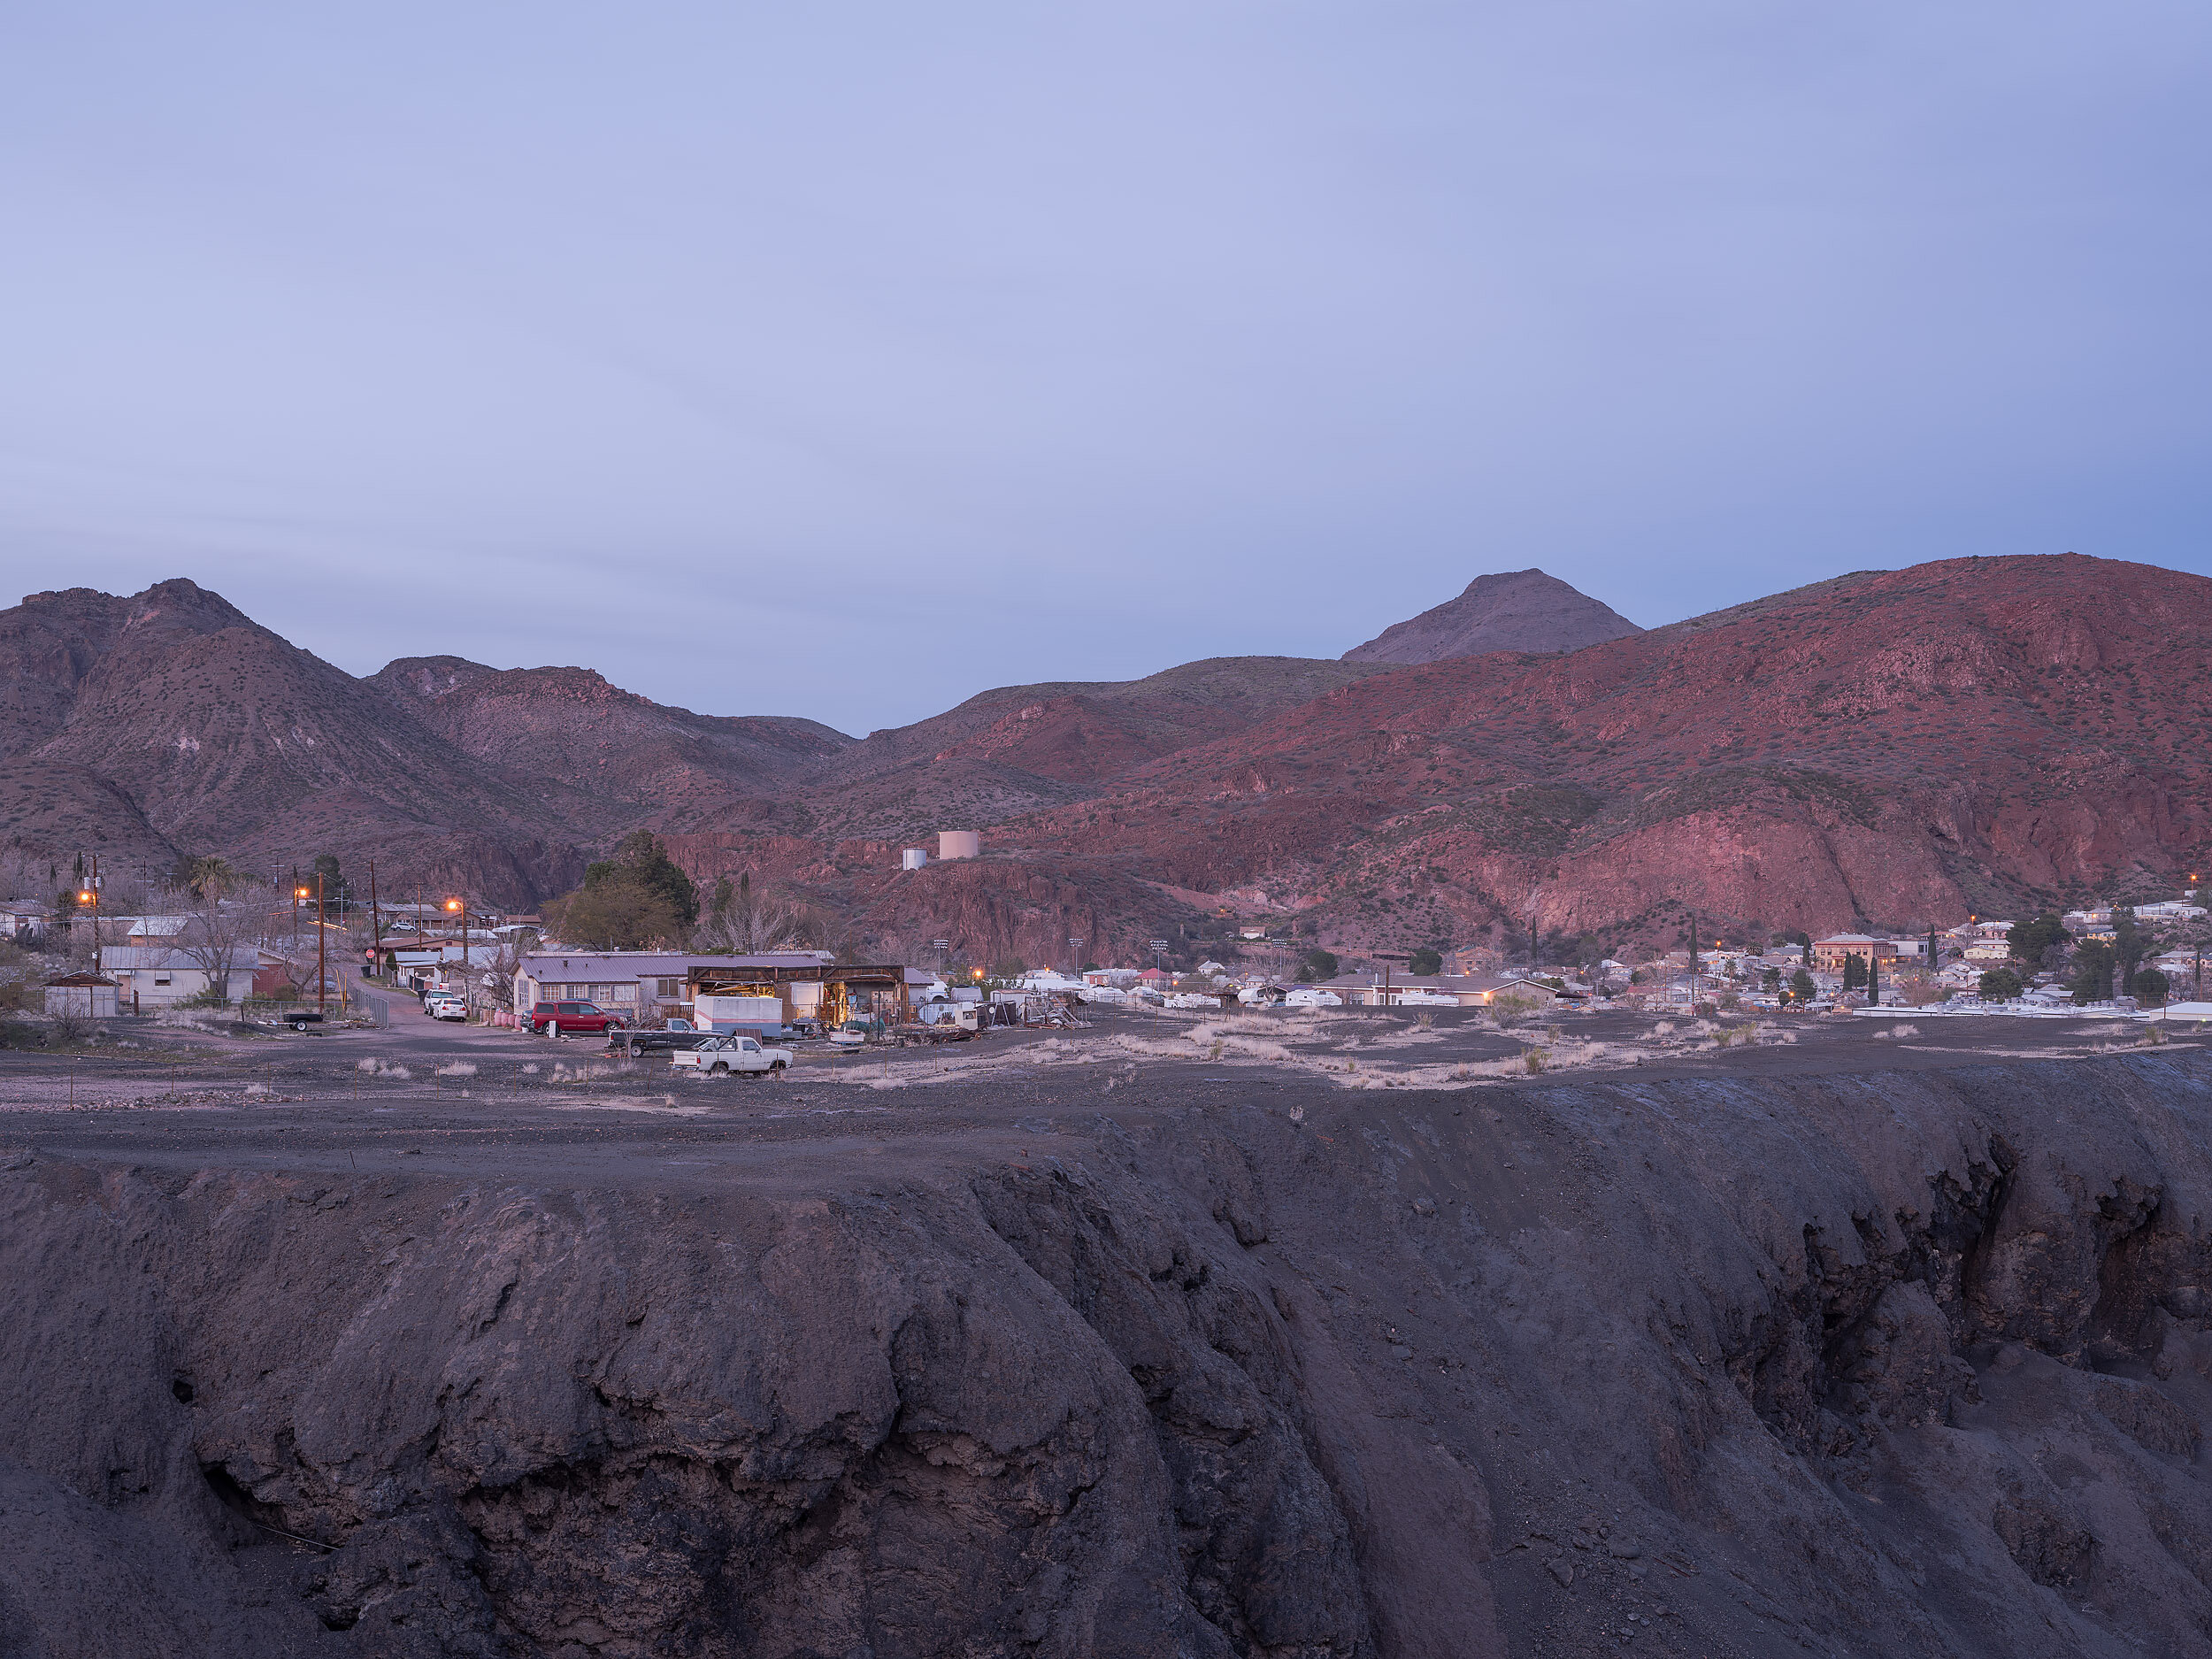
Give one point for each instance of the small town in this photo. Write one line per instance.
(308, 953)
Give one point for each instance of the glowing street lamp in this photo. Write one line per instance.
(453, 907)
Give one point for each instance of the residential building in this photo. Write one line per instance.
(647, 987)
(21, 918)
(1829, 953)
(1367, 990)
(87, 996)
(161, 976)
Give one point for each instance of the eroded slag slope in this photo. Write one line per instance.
(1907, 1364)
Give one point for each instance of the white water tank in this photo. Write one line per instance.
(958, 844)
(913, 859)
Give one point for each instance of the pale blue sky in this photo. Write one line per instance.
(845, 359)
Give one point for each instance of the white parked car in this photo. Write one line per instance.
(718, 1056)
(1311, 996)
(445, 1005)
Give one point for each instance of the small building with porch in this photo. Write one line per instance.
(84, 995)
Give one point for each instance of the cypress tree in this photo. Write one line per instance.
(1873, 981)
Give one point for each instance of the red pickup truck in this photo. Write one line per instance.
(564, 1018)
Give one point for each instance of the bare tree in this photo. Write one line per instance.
(212, 933)
(742, 921)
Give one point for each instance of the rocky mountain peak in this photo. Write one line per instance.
(1509, 611)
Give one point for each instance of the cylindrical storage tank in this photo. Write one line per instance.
(913, 859)
(958, 843)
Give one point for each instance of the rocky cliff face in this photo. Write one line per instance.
(1513, 611)
(1909, 1364)
(1900, 746)
(1891, 748)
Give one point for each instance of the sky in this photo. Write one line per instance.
(846, 359)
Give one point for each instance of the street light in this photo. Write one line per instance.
(453, 907)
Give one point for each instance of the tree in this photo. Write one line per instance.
(641, 859)
(2151, 987)
(615, 915)
(1873, 981)
(1424, 962)
(743, 921)
(2092, 973)
(1803, 990)
(1854, 972)
(1770, 980)
(333, 884)
(2129, 946)
(1318, 965)
(2000, 985)
(212, 935)
(636, 898)
(2029, 941)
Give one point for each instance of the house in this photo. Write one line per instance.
(1437, 990)
(86, 995)
(22, 918)
(2170, 910)
(1829, 953)
(161, 976)
(1989, 952)
(647, 987)
(149, 929)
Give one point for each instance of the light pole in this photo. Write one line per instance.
(299, 897)
(454, 907)
(88, 896)
(322, 982)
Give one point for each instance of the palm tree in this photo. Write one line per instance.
(211, 878)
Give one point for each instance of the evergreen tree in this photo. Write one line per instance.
(1854, 972)
(1873, 981)
(1801, 987)
(2128, 947)
(2092, 973)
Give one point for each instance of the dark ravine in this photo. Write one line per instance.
(1897, 1364)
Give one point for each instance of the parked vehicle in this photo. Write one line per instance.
(854, 1033)
(299, 1019)
(565, 1019)
(718, 1056)
(446, 1005)
(1311, 996)
(666, 1042)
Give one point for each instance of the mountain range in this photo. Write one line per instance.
(1895, 747)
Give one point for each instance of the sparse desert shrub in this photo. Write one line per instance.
(1509, 1011)
(67, 1031)
(1535, 1060)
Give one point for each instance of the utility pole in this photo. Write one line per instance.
(1693, 925)
(95, 891)
(376, 926)
(322, 984)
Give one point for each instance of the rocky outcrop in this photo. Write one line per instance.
(1512, 611)
(1907, 1363)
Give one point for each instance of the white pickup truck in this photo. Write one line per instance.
(718, 1056)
